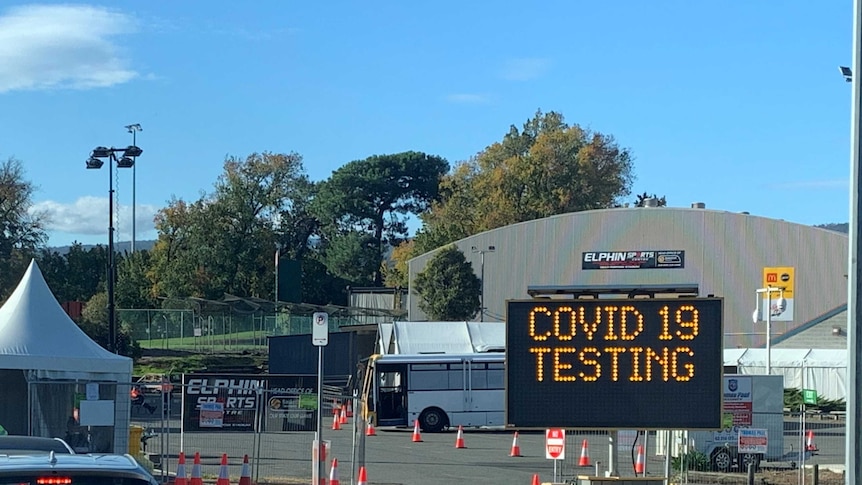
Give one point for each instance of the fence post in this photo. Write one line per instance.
(751, 474)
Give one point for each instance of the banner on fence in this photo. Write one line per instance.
(238, 398)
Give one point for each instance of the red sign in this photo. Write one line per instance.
(555, 444)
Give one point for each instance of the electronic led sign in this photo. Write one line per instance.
(614, 364)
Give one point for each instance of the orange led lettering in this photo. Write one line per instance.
(590, 328)
(689, 321)
(565, 311)
(540, 361)
(537, 311)
(561, 366)
(627, 314)
(651, 356)
(688, 366)
(664, 312)
(615, 361)
(611, 335)
(589, 356)
(636, 357)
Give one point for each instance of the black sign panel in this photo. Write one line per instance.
(665, 259)
(615, 364)
(237, 396)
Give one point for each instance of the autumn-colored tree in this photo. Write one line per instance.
(448, 288)
(546, 168)
(395, 270)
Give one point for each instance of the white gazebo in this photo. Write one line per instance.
(54, 380)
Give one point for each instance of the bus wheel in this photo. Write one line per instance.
(433, 420)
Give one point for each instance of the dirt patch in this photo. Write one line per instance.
(785, 477)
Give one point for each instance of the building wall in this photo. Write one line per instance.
(725, 254)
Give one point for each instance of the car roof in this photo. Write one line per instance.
(33, 443)
(11, 464)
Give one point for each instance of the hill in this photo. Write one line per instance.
(119, 246)
(843, 227)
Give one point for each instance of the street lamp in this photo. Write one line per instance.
(95, 162)
(780, 305)
(847, 73)
(133, 129)
(482, 252)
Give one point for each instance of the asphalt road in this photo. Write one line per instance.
(392, 458)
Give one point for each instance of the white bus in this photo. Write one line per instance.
(438, 390)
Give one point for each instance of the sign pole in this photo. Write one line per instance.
(320, 338)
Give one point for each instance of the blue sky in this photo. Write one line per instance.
(736, 104)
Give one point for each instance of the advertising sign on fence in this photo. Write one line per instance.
(211, 415)
(240, 397)
(752, 440)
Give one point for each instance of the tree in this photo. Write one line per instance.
(448, 288)
(179, 259)
(133, 287)
(546, 168)
(22, 230)
(94, 322)
(395, 271)
(642, 198)
(225, 241)
(374, 195)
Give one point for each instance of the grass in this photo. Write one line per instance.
(178, 362)
(233, 341)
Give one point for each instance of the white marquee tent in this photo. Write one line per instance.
(46, 364)
(441, 337)
(824, 370)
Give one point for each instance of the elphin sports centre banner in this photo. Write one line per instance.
(664, 259)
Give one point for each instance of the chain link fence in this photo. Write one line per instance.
(169, 329)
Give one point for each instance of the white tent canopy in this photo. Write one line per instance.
(443, 337)
(824, 370)
(57, 359)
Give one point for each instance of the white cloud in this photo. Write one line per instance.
(89, 216)
(62, 46)
(525, 69)
(811, 184)
(467, 98)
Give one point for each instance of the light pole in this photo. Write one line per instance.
(781, 304)
(482, 252)
(95, 162)
(853, 436)
(133, 129)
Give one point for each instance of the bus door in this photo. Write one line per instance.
(391, 390)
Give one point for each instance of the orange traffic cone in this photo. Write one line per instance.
(516, 450)
(417, 438)
(223, 476)
(639, 462)
(535, 479)
(369, 431)
(809, 442)
(343, 418)
(196, 479)
(459, 440)
(336, 423)
(350, 408)
(181, 470)
(245, 474)
(333, 473)
(363, 480)
(585, 455)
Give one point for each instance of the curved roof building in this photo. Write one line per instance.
(718, 253)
